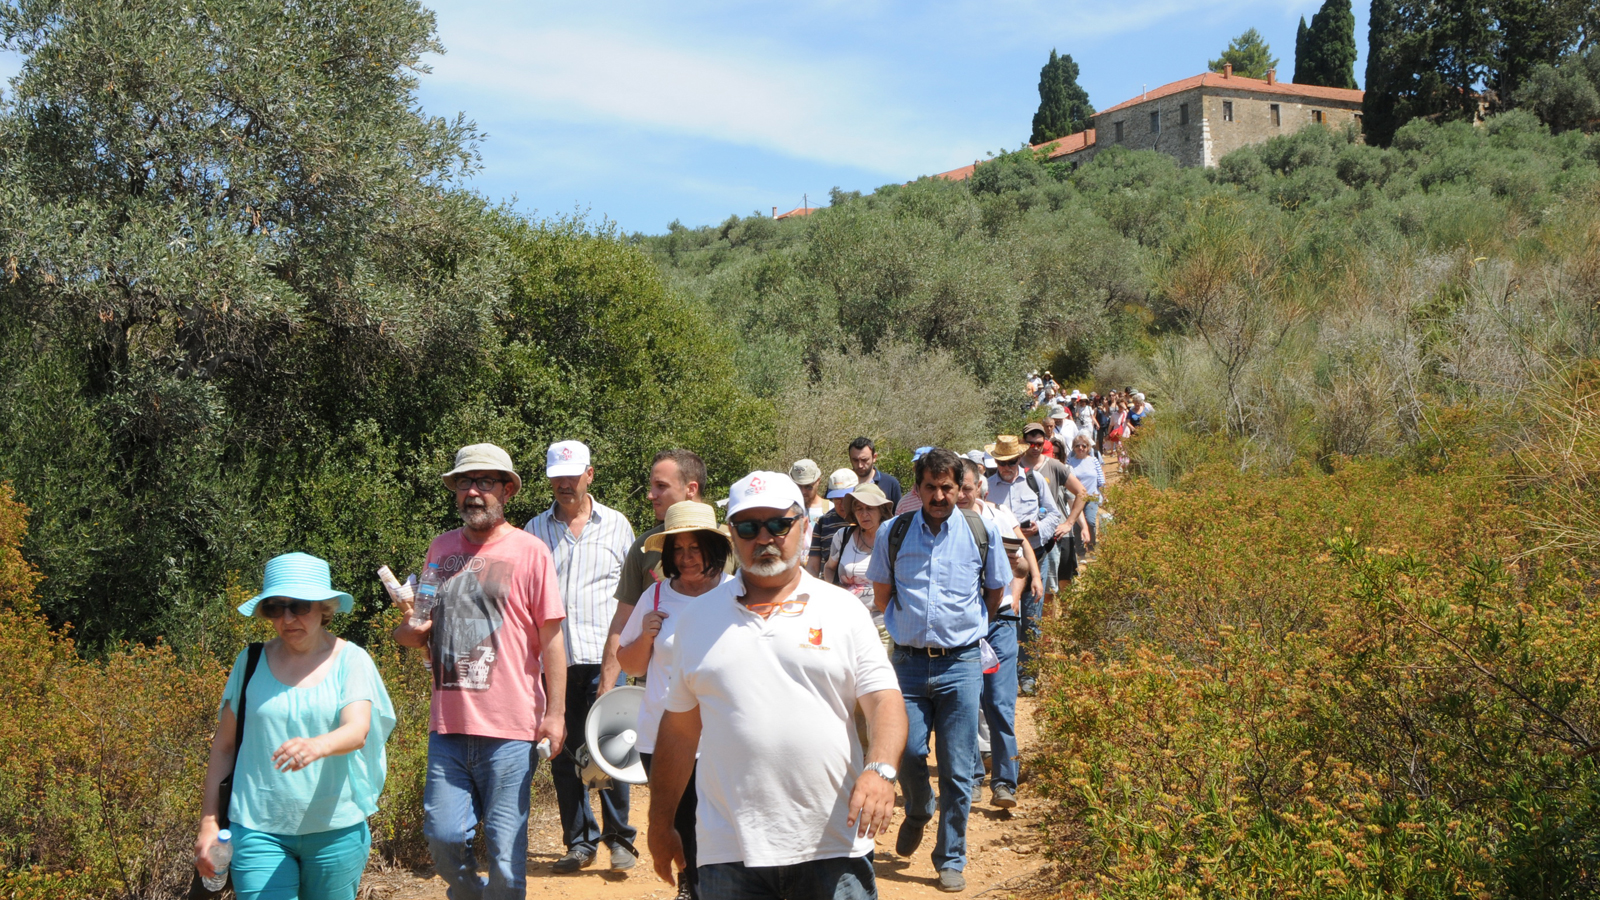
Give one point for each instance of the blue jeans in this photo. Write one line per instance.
(1028, 628)
(473, 779)
(1000, 703)
(1050, 568)
(326, 865)
(943, 694)
(578, 827)
(841, 878)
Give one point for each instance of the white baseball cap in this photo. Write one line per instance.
(566, 458)
(767, 490)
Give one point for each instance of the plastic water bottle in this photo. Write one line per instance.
(221, 856)
(427, 594)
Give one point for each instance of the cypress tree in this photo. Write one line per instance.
(1064, 106)
(1330, 48)
(1302, 69)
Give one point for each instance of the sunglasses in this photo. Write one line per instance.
(777, 526)
(274, 609)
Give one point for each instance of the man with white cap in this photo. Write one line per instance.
(840, 484)
(768, 671)
(495, 630)
(589, 541)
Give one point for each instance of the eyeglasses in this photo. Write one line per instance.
(274, 609)
(777, 526)
(482, 484)
(789, 607)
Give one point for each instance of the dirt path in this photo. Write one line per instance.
(1002, 854)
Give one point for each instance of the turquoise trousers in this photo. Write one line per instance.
(326, 865)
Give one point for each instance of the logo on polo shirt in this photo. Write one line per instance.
(816, 636)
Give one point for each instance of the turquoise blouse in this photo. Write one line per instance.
(331, 793)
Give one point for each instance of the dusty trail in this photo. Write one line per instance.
(1004, 852)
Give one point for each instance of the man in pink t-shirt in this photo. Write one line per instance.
(495, 631)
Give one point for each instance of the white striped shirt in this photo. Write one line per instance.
(588, 568)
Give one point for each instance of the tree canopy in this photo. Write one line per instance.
(1248, 54)
(1064, 106)
(1325, 52)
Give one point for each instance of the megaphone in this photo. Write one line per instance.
(609, 734)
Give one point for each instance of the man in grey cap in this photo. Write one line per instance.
(495, 630)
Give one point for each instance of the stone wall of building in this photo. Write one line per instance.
(1158, 124)
(1253, 120)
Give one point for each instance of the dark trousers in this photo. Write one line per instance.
(578, 828)
(684, 821)
(842, 878)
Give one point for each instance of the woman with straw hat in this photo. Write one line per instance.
(693, 551)
(307, 761)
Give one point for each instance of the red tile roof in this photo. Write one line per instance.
(1241, 83)
(961, 174)
(1072, 143)
(799, 211)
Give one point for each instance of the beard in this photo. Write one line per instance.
(481, 513)
(770, 562)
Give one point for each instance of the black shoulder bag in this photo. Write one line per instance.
(197, 888)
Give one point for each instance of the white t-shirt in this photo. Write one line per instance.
(853, 563)
(779, 754)
(657, 676)
(1004, 521)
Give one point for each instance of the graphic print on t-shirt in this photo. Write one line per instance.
(466, 623)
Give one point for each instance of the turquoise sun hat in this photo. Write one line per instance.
(298, 576)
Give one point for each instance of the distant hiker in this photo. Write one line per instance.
(1091, 474)
(494, 632)
(307, 760)
(675, 476)
(1031, 500)
(693, 551)
(807, 475)
(589, 542)
(767, 671)
(1069, 496)
(938, 575)
(864, 461)
(840, 486)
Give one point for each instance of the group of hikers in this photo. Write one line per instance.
(798, 658)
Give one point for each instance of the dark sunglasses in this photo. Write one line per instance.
(777, 526)
(482, 484)
(274, 609)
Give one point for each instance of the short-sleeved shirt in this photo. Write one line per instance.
(331, 793)
(779, 754)
(1089, 472)
(658, 675)
(822, 533)
(939, 598)
(853, 565)
(486, 648)
(640, 569)
(589, 568)
(890, 486)
(1040, 508)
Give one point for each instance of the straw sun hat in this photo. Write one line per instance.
(1006, 447)
(688, 515)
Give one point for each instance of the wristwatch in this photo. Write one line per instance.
(884, 770)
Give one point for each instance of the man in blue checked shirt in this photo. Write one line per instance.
(937, 589)
(589, 541)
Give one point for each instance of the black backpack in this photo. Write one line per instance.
(902, 525)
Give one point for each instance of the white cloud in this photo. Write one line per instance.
(822, 112)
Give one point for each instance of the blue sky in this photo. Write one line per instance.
(648, 112)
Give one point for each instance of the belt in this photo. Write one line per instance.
(936, 651)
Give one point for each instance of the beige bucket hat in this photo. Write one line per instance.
(481, 458)
(687, 515)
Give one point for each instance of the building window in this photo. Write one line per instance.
(1183, 113)
(1316, 116)
(1118, 138)
(1155, 122)
(1227, 110)
(1277, 116)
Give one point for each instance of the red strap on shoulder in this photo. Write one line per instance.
(658, 596)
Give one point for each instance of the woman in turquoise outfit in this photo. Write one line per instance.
(311, 765)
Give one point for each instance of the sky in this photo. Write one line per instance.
(644, 113)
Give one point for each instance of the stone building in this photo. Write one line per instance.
(1199, 120)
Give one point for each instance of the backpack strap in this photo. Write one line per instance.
(658, 596)
(842, 539)
(897, 536)
(225, 787)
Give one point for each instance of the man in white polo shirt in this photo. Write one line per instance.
(769, 669)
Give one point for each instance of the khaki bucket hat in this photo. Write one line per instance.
(687, 515)
(870, 495)
(481, 458)
(1006, 447)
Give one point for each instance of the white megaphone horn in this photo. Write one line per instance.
(609, 734)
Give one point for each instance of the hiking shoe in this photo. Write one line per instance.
(622, 858)
(910, 837)
(1025, 687)
(683, 888)
(951, 881)
(1004, 796)
(576, 858)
